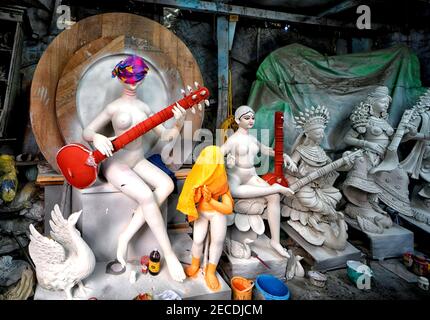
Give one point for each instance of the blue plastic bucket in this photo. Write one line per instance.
(271, 288)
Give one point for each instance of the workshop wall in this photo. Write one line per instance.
(253, 41)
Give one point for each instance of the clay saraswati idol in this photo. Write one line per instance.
(250, 191)
(206, 200)
(371, 132)
(126, 167)
(312, 212)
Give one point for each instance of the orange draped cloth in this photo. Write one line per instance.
(209, 171)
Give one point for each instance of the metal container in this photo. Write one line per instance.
(317, 278)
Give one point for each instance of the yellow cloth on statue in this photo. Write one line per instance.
(208, 170)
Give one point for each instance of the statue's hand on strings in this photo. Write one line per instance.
(179, 114)
(103, 144)
(289, 163)
(410, 129)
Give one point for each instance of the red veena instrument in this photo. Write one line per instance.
(79, 165)
(278, 175)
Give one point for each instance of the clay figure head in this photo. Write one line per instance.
(131, 71)
(313, 121)
(423, 103)
(316, 134)
(379, 99)
(245, 117)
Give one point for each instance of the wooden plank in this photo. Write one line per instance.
(13, 83)
(262, 14)
(12, 13)
(223, 69)
(48, 179)
(345, 5)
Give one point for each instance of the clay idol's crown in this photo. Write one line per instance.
(423, 101)
(380, 91)
(312, 118)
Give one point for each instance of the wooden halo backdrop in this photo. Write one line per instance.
(77, 54)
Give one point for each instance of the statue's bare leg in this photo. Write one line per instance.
(257, 187)
(121, 176)
(218, 225)
(200, 229)
(163, 187)
(156, 178)
(245, 190)
(131, 184)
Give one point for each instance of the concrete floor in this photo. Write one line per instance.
(385, 284)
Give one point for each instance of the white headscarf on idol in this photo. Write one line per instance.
(311, 119)
(241, 111)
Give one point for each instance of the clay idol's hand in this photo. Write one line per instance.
(179, 113)
(411, 129)
(289, 163)
(207, 194)
(198, 107)
(198, 195)
(231, 161)
(103, 144)
(374, 147)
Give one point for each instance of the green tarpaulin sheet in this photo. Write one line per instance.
(295, 77)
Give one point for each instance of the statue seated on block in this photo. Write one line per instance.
(251, 193)
(312, 210)
(128, 169)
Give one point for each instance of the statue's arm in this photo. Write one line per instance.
(295, 157)
(351, 138)
(161, 131)
(412, 131)
(226, 150)
(226, 204)
(226, 147)
(268, 151)
(102, 119)
(422, 136)
(100, 142)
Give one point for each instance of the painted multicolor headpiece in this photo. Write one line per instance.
(131, 70)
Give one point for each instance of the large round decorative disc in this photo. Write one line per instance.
(106, 38)
(78, 103)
